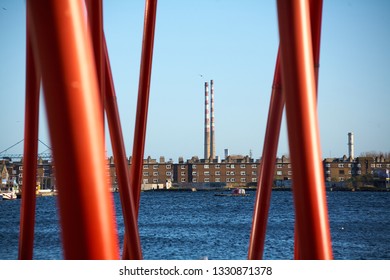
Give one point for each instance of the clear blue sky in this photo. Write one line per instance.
(234, 43)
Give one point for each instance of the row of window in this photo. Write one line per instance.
(228, 180)
(372, 165)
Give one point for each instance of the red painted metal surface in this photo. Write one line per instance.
(30, 154)
(267, 168)
(121, 165)
(300, 93)
(142, 105)
(63, 44)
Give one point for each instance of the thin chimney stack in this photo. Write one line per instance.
(209, 136)
(206, 122)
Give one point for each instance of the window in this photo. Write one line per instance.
(242, 165)
(217, 166)
(20, 167)
(289, 173)
(232, 166)
(341, 172)
(155, 181)
(327, 165)
(145, 181)
(206, 166)
(194, 180)
(217, 179)
(155, 166)
(206, 173)
(183, 179)
(182, 173)
(194, 173)
(243, 173)
(168, 166)
(279, 173)
(232, 180)
(146, 166)
(254, 166)
(145, 174)
(243, 180)
(372, 164)
(279, 166)
(218, 173)
(194, 166)
(254, 172)
(168, 173)
(183, 167)
(379, 165)
(341, 165)
(254, 180)
(155, 173)
(207, 180)
(227, 165)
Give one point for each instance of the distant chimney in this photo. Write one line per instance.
(212, 136)
(206, 122)
(351, 146)
(226, 153)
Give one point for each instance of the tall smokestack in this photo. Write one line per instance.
(206, 122)
(350, 146)
(212, 136)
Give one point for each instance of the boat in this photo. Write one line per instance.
(234, 192)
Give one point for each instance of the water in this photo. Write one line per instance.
(193, 225)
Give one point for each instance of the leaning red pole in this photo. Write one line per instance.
(121, 165)
(267, 168)
(302, 122)
(143, 99)
(63, 44)
(30, 153)
(142, 106)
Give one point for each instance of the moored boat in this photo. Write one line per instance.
(234, 192)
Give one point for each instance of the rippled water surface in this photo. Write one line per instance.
(193, 225)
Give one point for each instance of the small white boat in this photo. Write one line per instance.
(235, 192)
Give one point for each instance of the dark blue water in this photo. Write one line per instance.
(192, 225)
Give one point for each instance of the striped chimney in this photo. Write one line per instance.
(206, 122)
(212, 136)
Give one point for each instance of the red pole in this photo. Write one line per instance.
(143, 99)
(267, 168)
(63, 44)
(121, 165)
(95, 19)
(142, 105)
(300, 94)
(30, 154)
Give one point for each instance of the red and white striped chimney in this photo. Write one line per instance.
(212, 135)
(206, 122)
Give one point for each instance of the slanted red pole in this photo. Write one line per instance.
(121, 165)
(63, 44)
(142, 105)
(143, 99)
(30, 153)
(267, 168)
(95, 20)
(300, 93)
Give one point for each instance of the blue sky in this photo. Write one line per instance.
(235, 44)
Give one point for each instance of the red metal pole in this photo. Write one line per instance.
(121, 165)
(63, 43)
(30, 153)
(267, 168)
(142, 105)
(300, 94)
(95, 19)
(143, 99)
(315, 24)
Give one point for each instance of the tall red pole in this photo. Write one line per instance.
(30, 153)
(121, 165)
(267, 168)
(143, 99)
(63, 44)
(142, 105)
(300, 93)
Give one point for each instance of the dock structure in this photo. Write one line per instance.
(70, 49)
